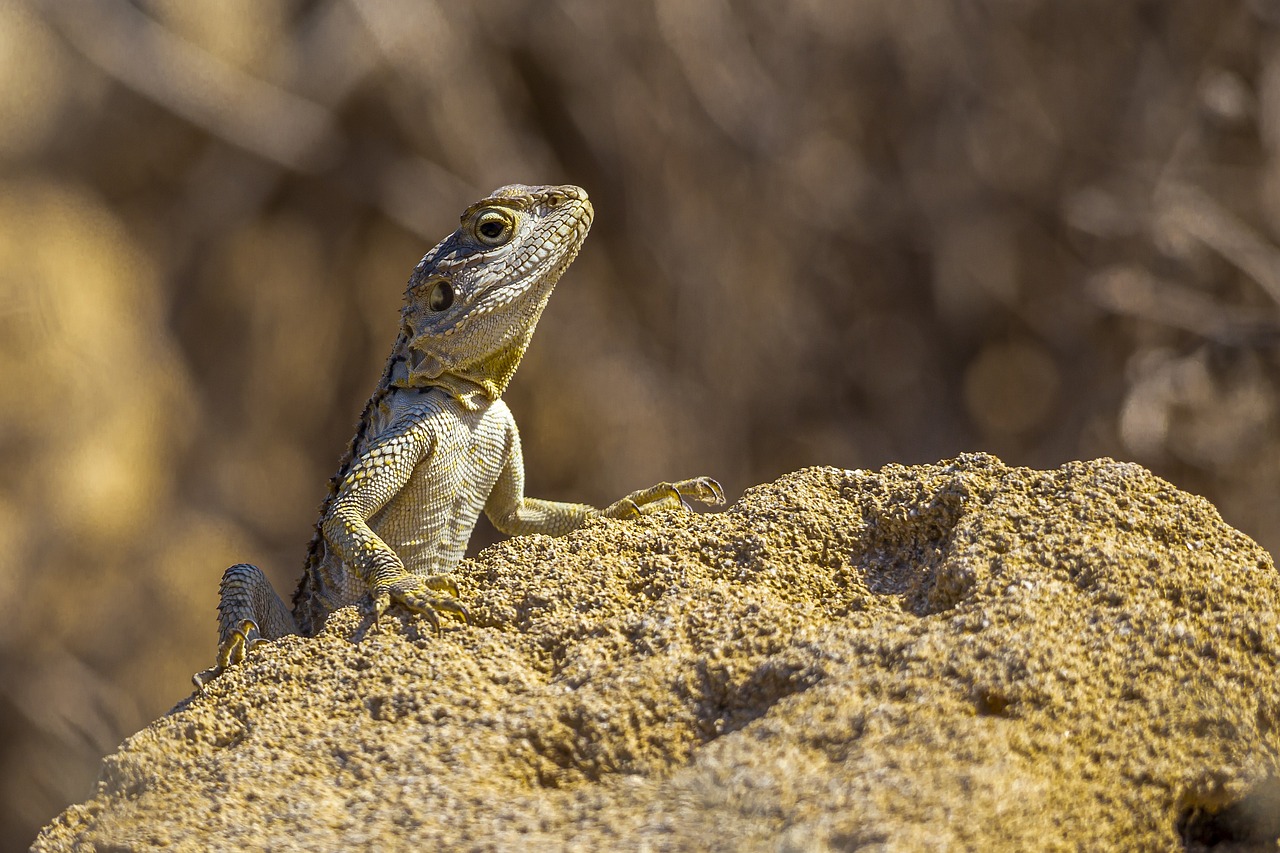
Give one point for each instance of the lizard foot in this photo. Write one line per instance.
(412, 592)
(666, 496)
(242, 639)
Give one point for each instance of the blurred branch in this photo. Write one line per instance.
(1135, 292)
(242, 110)
(1196, 214)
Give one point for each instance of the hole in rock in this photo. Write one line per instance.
(1251, 822)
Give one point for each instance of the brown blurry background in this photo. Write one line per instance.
(848, 232)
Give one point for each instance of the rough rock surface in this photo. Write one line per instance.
(962, 655)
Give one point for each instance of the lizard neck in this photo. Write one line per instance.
(473, 384)
(472, 396)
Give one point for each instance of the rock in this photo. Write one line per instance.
(954, 656)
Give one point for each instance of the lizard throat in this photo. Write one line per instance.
(486, 377)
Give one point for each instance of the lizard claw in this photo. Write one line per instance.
(242, 639)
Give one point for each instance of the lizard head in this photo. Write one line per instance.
(474, 300)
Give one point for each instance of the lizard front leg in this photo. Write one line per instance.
(514, 514)
(665, 496)
(375, 479)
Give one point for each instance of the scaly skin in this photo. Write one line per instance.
(436, 444)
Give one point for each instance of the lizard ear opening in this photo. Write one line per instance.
(441, 296)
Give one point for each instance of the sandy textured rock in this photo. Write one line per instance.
(962, 655)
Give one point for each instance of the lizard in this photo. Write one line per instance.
(436, 444)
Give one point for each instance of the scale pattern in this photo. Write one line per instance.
(435, 444)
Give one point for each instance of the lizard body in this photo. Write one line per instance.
(435, 444)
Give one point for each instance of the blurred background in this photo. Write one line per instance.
(843, 232)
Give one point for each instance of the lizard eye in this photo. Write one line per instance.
(493, 228)
(441, 296)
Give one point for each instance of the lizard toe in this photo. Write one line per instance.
(702, 489)
(202, 678)
(441, 583)
(413, 593)
(449, 605)
(241, 640)
(377, 604)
